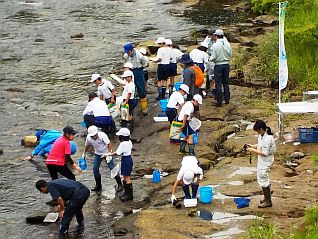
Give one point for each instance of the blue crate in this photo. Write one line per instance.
(308, 135)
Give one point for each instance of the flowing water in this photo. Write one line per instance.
(43, 84)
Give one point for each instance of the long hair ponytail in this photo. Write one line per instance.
(260, 124)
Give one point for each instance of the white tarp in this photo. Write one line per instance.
(298, 107)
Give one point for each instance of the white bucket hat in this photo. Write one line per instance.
(128, 65)
(160, 40)
(204, 44)
(168, 42)
(219, 32)
(198, 98)
(94, 77)
(123, 132)
(92, 130)
(188, 177)
(185, 88)
(127, 73)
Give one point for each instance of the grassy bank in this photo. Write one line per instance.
(301, 40)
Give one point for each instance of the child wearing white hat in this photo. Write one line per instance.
(129, 92)
(200, 56)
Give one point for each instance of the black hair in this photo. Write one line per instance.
(260, 124)
(91, 96)
(99, 78)
(202, 48)
(219, 36)
(176, 46)
(40, 184)
(123, 138)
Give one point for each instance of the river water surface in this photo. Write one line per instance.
(43, 84)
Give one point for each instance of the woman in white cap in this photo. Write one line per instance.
(124, 150)
(129, 93)
(105, 89)
(163, 60)
(102, 146)
(190, 174)
(176, 101)
(185, 117)
(200, 56)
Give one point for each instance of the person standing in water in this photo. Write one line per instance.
(264, 149)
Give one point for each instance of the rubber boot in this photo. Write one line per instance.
(186, 190)
(219, 99)
(163, 93)
(183, 145)
(128, 193)
(170, 89)
(98, 180)
(267, 195)
(194, 188)
(120, 186)
(262, 200)
(143, 104)
(122, 193)
(159, 94)
(191, 149)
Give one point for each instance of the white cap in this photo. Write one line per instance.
(198, 98)
(94, 77)
(92, 130)
(127, 74)
(123, 132)
(160, 40)
(143, 51)
(128, 65)
(188, 177)
(219, 32)
(185, 88)
(168, 42)
(204, 44)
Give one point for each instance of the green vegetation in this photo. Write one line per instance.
(260, 229)
(301, 40)
(314, 157)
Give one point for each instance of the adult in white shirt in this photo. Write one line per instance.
(200, 56)
(163, 60)
(105, 89)
(102, 146)
(175, 55)
(189, 174)
(129, 93)
(176, 101)
(97, 113)
(143, 51)
(184, 117)
(265, 149)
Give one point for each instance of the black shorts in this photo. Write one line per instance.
(163, 72)
(173, 69)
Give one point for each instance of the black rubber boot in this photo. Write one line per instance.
(183, 145)
(194, 188)
(119, 186)
(128, 193)
(170, 89)
(122, 193)
(159, 94)
(267, 201)
(98, 180)
(163, 93)
(186, 190)
(191, 149)
(262, 200)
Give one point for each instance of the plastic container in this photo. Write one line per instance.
(83, 124)
(82, 163)
(206, 194)
(177, 85)
(242, 202)
(156, 176)
(163, 104)
(195, 137)
(308, 135)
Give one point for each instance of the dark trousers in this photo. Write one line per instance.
(172, 114)
(140, 82)
(91, 120)
(221, 74)
(63, 170)
(74, 207)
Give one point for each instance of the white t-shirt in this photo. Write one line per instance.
(187, 109)
(164, 53)
(100, 145)
(189, 163)
(175, 100)
(199, 56)
(266, 144)
(96, 107)
(129, 88)
(175, 54)
(105, 89)
(124, 148)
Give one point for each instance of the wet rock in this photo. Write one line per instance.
(249, 44)
(1, 151)
(15, 90)
(297, 155)
(79, 35)
(39, 40)
(265, 20)
(37, 217)
(29, 141)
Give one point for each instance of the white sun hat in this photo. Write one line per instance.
(123, 132)
(92, 130)
(94, 77)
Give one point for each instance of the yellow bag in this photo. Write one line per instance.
(174, 133)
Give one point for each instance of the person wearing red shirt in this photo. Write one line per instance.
(60, 154)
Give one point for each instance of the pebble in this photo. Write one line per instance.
(297, 155)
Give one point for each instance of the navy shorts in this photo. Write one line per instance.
(163, 72)
(173, 69)
(126, 165)
(188, 130)
(172, 114)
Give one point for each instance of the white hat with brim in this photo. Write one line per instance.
(160, 40)
(127, 73)
(168, 42)
(198, 98)
(204, 44)
(94, 77)
(128, 65)
(92, 131)
(185, 88)
(188, 177)
(219, 32)
(123, 132)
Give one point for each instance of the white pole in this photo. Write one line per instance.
(279, 66)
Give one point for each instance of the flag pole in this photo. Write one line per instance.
(279, 66)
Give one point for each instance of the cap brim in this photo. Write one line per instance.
(91, 81)
(73, 132)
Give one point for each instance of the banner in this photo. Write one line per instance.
(283, 69)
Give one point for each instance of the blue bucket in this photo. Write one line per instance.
(206, 194)
(163, 104)
(195, 137)
(83, 124)
(156, 176)
(177, 85)
(82, 163)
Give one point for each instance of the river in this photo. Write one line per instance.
(44, 77)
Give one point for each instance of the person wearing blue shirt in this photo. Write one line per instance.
(65, 190)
